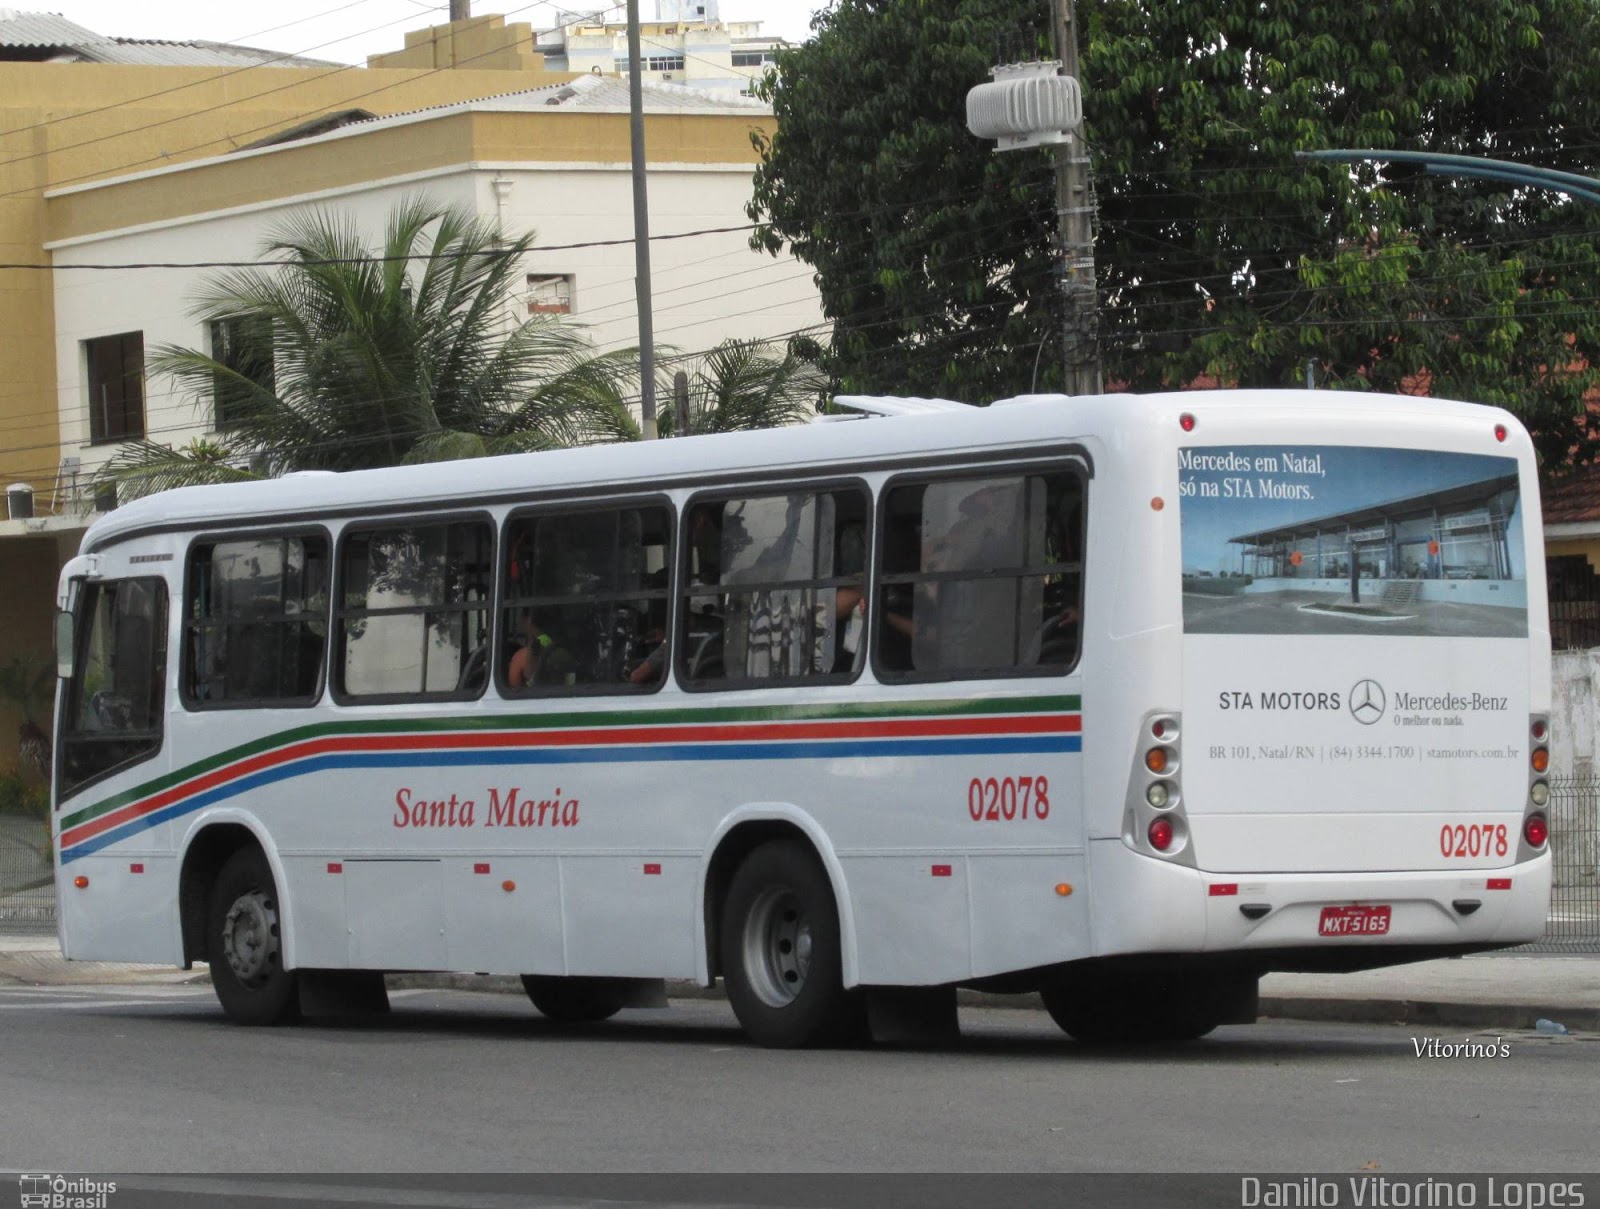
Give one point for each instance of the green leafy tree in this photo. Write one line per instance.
(405, 355)
(1220, 257)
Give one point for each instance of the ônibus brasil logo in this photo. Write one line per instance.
(1367, 701)
(65, 1192)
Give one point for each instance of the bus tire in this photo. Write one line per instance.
(781, 958)
(1115, 1011)
(244, 943)
(574, 1000)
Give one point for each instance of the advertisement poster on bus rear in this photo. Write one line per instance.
(1355, 623)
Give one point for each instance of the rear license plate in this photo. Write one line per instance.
(1354, 921)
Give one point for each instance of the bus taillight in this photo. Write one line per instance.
(1540, 759)
(1157, 759)
(1536, 830)
(1161, 834)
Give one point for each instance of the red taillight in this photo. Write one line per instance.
(1161, 835)
(1539, 729)
(1536, 830)
(1499, 432)
(1186, 422)
(1158, 728)
(1224, 889)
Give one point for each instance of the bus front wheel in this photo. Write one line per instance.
(780, 951)
(245, 943)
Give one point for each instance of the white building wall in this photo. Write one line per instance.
(707, 288)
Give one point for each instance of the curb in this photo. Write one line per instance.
(1428, 1012)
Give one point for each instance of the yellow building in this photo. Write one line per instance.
(76, 107)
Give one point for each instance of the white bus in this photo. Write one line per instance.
(1125, 700)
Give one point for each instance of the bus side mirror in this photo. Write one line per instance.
(64, 645)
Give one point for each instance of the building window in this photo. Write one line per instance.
(980, 577)
(414, 612)
(256, 627)
(773, 589)
(586, 601)
(116, 387)
(550, 293)
(753, 58)
(663, 63)
(243, 346)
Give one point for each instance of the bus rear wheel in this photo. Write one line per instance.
(1131, 1008)
(245, 943)
(780, 951)
(574, 1000)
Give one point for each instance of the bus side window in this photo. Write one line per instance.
(585, 601)
(414, 610)
(256, 621)
(114, 704)
(773, 582)
(980, 576)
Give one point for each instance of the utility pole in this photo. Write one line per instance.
(1075, 228)
(641, 233)
(460, 10)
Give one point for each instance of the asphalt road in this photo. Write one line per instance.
(152, 1079)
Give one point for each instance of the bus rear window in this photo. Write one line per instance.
(980, 576)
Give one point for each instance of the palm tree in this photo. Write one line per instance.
(373, 360)
(745, 384)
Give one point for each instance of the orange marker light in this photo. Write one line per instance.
(81, 882)
(508, 886)
(1157, 504)
(1064, 889)
(1156, 759)
(1541, 759)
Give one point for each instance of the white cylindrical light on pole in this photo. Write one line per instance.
(1026, 105)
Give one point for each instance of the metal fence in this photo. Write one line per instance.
(1574, 814)
(27, 889)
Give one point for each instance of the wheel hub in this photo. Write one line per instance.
(777, 946)
(250, 937)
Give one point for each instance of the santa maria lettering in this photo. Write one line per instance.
(501, 808)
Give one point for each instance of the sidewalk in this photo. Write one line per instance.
(1505, 991)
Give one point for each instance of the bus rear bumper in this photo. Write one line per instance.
(1188, 910)
(1481, 908)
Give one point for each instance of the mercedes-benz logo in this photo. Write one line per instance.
(1367, 701)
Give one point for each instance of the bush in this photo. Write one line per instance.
(23, 796)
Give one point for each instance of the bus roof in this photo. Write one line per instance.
(920, 431)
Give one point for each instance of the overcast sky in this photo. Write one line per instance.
(347, 31)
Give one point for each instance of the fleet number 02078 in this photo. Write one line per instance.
(1004, 799)
(1474, 839)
